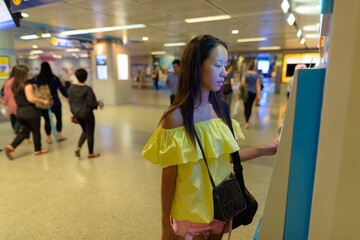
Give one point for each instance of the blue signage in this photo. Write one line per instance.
(18, 5)
(62, 42)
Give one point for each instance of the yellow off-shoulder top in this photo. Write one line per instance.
(192, 199)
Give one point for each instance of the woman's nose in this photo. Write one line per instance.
(223, 72)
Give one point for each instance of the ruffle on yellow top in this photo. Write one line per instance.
(169, 147)
(192, 199)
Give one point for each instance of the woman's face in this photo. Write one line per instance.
(213, 69)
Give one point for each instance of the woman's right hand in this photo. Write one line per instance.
(46, 102)
(168, 233)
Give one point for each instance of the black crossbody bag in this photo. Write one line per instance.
(231, 198)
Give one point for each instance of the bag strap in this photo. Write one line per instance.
(203, 153)
(238, 169)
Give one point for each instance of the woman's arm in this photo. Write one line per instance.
(168, 179)
(258, 151)
(29, 93)
(258, 89)
(243, 82)
(61, 87)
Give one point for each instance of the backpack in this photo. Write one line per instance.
(43, 92)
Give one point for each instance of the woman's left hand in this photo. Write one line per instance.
(271, 147)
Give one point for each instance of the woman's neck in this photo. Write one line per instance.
(80, 84)
(204, 101)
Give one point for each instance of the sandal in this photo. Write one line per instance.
(93, 155)
(77, 152)
(9, 151)
(49, 141)
(41, 152)
(62, 139)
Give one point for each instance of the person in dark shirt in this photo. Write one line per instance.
(47, 77)
(82, 104)
(28, 115)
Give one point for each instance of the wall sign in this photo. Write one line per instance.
(61, 42)
(101, 67)
(4, 67)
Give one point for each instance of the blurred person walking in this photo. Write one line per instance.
(46, 77)
(155, 76)
(228, 84)
(138, 79)
(27, 114)
(172, 80)
(82, 104)
(252, 83)
(11, 107)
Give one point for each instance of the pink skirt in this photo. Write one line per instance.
(189, 230)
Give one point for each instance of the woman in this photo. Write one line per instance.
(138, 79)
(28, 115)
(10, 103)
(227, 87)
(82, 104)
(186, 192)
(252, 82)
(47, 77)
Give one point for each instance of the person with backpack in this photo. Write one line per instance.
(48, 85)
(27, 114)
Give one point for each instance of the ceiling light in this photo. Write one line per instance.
(207, 19)
(33, 57)
(174, 44)
(28, 37)
(84, 55)
(45, 35)
(251, 39)
(145, 38)
(158, 53)
(24, 15)
(285, 6)
(74, 54)
(311, 28)
(103, 29)
(57, 56)
(270, 48)
(308, 10)
(235, 31)
(36, 52)
(299, 32)
(73, 50)
(35, 46)
(302, 41)
(313, 35)
(74, 32)
(290, 19)
(305, 1)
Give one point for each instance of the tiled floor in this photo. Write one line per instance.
(116, 196)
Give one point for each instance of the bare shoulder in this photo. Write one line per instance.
(173, 120)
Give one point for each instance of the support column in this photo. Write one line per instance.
(7, 50)
(114, 91)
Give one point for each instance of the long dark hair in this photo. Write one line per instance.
(189, 84)
(45, 75)
(20, 74)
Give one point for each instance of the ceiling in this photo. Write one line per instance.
(165, 23)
